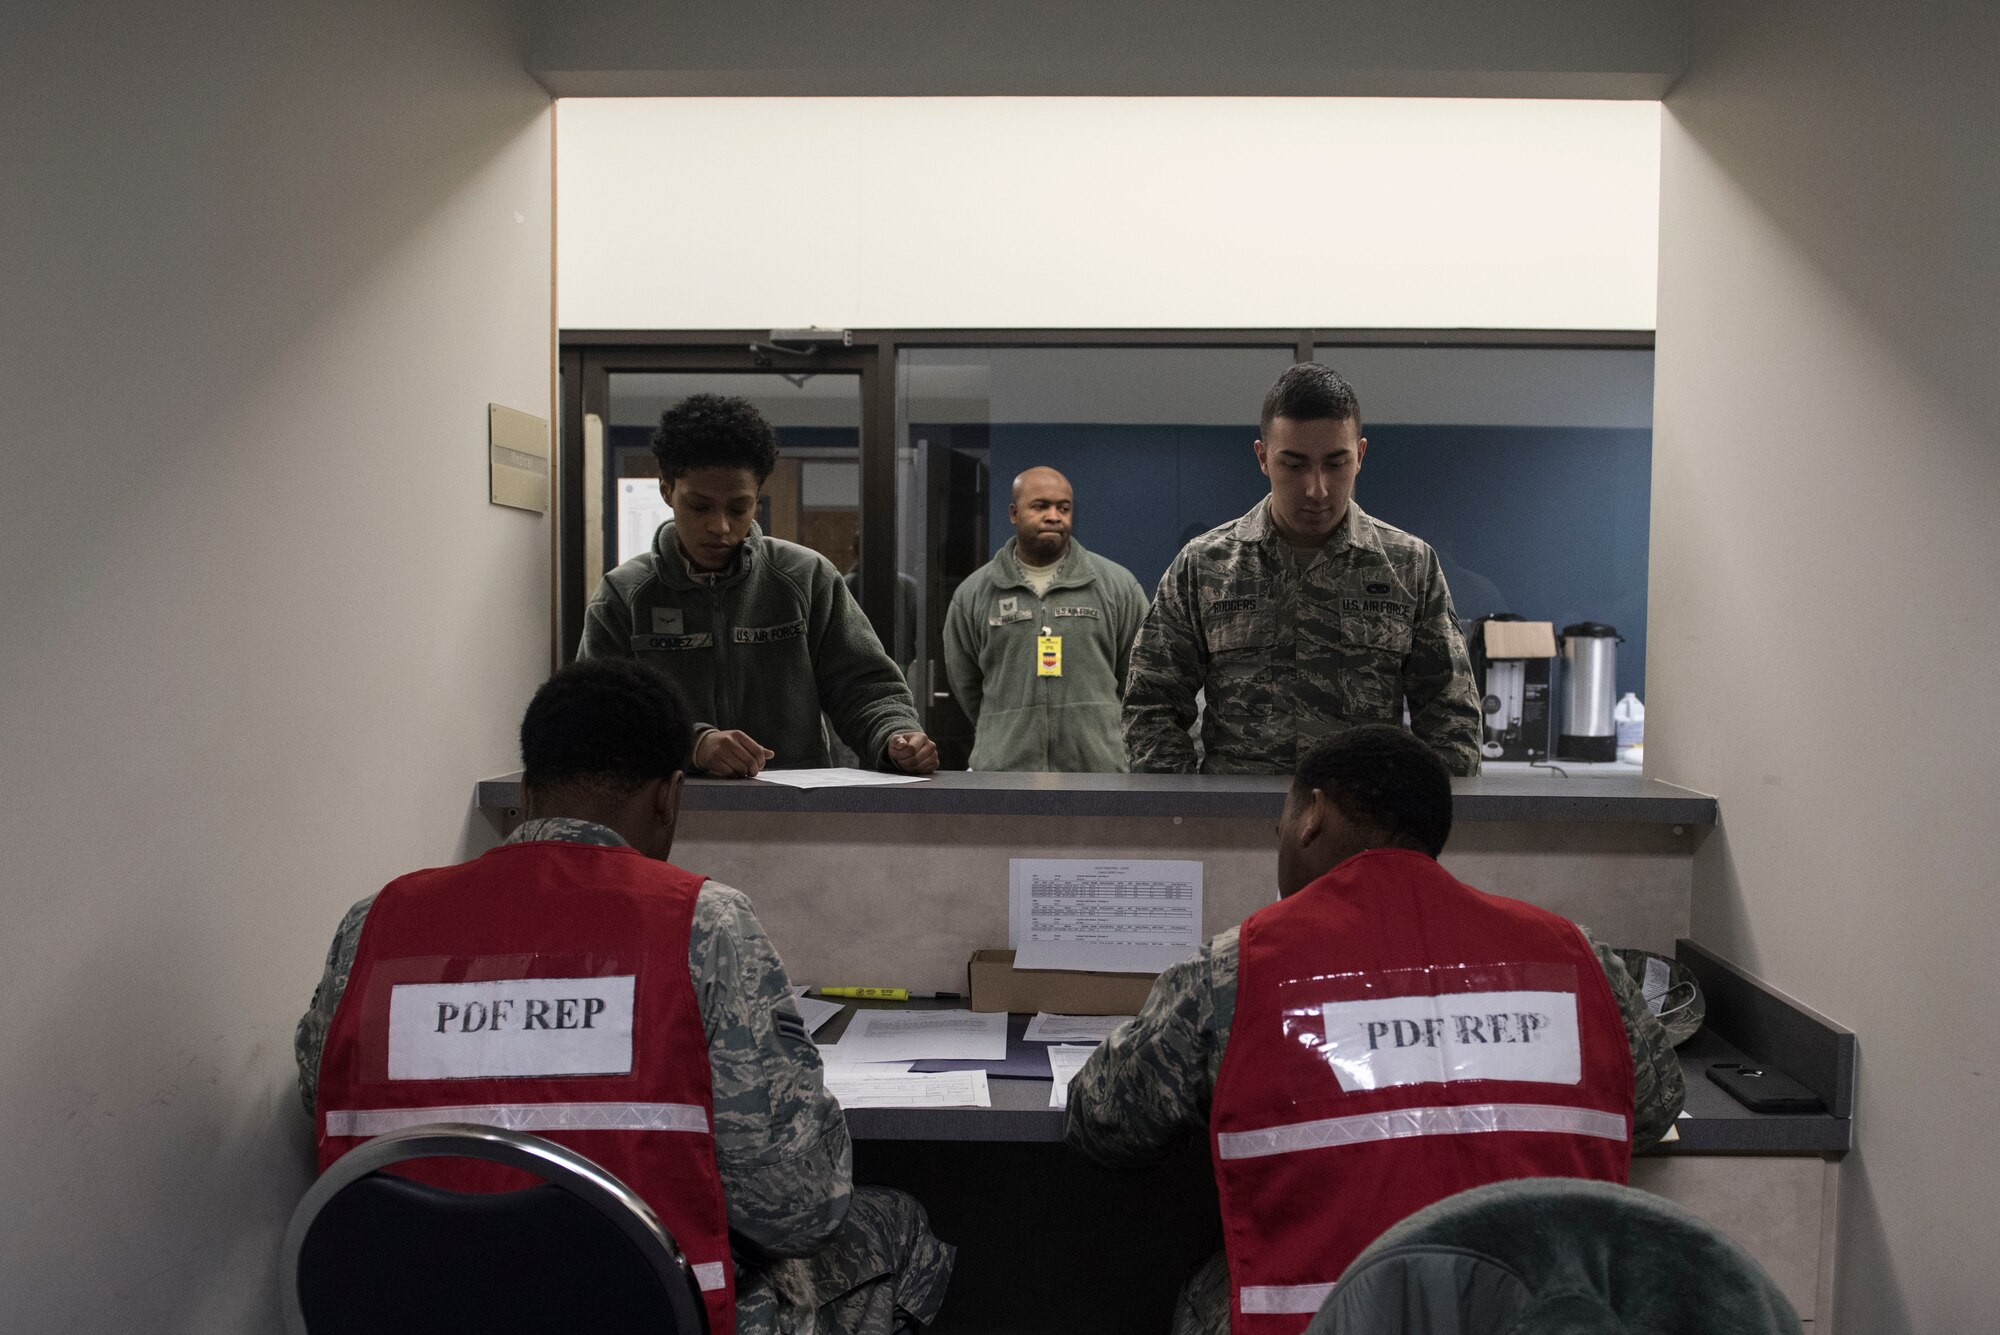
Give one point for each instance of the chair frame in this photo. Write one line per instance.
(553, 1163)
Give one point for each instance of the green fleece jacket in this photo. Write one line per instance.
(1025, 721)
(764, 647)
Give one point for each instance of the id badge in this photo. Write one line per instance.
(1048, 655)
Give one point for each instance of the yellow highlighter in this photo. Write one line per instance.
(887, 994)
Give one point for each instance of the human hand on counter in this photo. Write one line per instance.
(730, 754)
(913, 753)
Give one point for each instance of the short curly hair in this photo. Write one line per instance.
(606, 724)
(714, 431)
(1384, 779)
(1310, 392)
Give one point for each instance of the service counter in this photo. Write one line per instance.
(897, 886)
(918, 872)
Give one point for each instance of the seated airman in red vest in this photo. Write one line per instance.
(574, 983)
(1382, 1037)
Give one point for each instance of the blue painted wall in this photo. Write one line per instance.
(1549, 522)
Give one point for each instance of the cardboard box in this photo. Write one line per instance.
(1516, 686)
(1520, 639)
(994, 984)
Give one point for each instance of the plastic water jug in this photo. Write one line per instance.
(1628, 716)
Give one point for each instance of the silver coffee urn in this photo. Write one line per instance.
(1590, 687)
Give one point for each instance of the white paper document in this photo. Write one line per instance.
(1092, 1029)
(869, 1086)
(899, 1035)
(1064, 1062)
(815, 1012)
(1657, 983)
(641, 511)
(835, 1060)
(839, 1054)
(836, 778)
(1104, 917)
(832, 1056)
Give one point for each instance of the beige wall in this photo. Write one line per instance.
(1824, 598)
(1079, 212)
(1628, 884)
(265, 267)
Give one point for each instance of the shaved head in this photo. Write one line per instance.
(1040, 514)
(1037, 477)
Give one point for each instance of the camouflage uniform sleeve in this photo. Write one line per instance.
(1165, 673)
(1129, 618)
(309, 1039)
(1437, 680)
(1658, 1088)
(780, 1140)
(1149, 1084)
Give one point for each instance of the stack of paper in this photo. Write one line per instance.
(1024, 1060)
(1047, 1028)
(832, 1055)
(866, 1086)
(812, 1010)
(836, 778)
(910, 1035)
(870, 1066)
(1065, 1061)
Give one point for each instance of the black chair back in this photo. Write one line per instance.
(371, 1253)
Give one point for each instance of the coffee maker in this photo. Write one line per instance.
(1513, 687)
(1506, 682)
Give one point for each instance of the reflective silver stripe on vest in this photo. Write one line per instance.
(1284, 1299)
(711, 1276)
(526, 1117)
(1404, 1122)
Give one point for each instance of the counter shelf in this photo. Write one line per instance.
(1513, 796)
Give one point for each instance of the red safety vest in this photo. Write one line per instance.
(1400, 1037)
(543, 986)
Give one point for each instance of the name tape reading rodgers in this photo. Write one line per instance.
(511, 1027)
(1386, 1041)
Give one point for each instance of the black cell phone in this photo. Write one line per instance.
(1762, 1089)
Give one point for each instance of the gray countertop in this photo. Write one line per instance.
(1515, 795)
(1715, 1122)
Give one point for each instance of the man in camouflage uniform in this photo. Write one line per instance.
(1152, 1082)
(1302, 618)
(812, 1251)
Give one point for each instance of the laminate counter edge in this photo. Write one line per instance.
(1531, 797)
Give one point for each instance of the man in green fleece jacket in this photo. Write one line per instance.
(760, 635)
(1038, 640)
